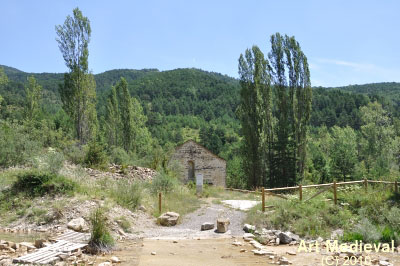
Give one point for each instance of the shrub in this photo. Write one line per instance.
(51, 161)
(127, 194)
(351, 237)
(101, 239)
(38, 183)
(16, 145)
(119, 156)
(163, 183)
(95, 155)
(369, 232)
(75, 154)
(55, 161)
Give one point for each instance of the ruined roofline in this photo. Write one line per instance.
(198, 144)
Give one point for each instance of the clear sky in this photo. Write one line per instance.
(346, 42)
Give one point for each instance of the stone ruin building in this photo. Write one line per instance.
(195, 159)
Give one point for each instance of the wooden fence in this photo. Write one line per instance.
(334, 186)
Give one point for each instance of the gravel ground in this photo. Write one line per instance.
(190, 226)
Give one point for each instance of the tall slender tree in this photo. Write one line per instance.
(112, 119)
(3, 77)
(255, 114)
(78, 93)
(291, 78)
(125, 121)
(3, 82)
(274, 112)
(33, 93)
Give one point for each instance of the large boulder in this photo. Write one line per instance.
(249, 228)
(168, 219)
(78, 225)
(207, 226)
(222, 225)
(285, 238)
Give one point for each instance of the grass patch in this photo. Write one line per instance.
(126, 194)
(369, 216)
(101, 240)
(181, 200)
(223, 194)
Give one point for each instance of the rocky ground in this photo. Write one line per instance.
(186, 244)
(148, 243)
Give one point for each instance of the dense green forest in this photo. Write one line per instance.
(186, 104)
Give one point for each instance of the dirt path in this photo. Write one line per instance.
(186, 245)
(189, 227)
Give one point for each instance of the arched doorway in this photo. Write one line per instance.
(191, 171)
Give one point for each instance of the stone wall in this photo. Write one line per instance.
(205, 162)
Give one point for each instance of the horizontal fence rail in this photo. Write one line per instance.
(334, 185)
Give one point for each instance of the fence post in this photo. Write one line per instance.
(396, 187)
(301, 192)
(263, 199)
(365, 184)
(334, 193)
(159, 202)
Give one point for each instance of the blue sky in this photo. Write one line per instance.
(346, 42)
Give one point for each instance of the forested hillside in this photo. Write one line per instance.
(186, 104)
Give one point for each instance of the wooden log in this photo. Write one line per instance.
(319, 192)
(281, 188)
(300, 192)
(349, 182)
(319, 185)
(263, 199)
(381, 182)
(334, 193)
(276, 195)
(159, 202)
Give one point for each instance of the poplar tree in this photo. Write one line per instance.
(3, 82)
(274, 112)
(255, 114)
(3, 77)
(125, 121)
(112, 119)
(78, 93)
(33, 93)
(292, 83)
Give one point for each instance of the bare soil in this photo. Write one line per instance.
(215, 252)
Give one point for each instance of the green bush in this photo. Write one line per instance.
(352, 236)
(369, 232)
(75, 154)
(101, 239)
(39, 183)
(55, 161)
(17, 146)
(311, 219)
(127, 194)
(163, 183)
(119, 156)
(95, 155)
(52, 161)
